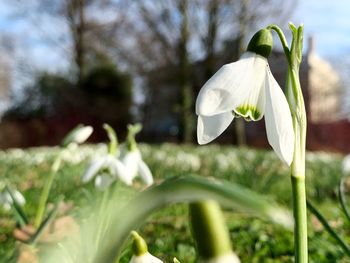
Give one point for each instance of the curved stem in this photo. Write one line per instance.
(283, 39)
(342, 199)
(297, 107)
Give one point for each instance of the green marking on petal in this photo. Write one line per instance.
(248, 112)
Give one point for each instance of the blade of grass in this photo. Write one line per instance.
(328, 228)
(45, 223)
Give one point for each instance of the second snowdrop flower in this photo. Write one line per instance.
(247, 89)
(132, 159)
(106, 169)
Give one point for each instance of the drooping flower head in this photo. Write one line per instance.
(346, 164)
(132, 159)
(107, 168)
(8, 196)
(77, 136)
(247, 89)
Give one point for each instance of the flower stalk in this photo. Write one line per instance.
(210, 232)
(46, 191)
(297, 107)
(76, 136)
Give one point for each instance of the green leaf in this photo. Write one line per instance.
(182, 189)
(45, 223)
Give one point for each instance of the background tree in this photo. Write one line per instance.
(183, 42)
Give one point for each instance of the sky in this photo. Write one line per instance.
(327, 21)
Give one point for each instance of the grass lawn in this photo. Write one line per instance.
(167, 231)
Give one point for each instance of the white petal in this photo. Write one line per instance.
(78, 135)
(145, 258)
(119, 171)
(6, 197)
(19, 197)
(83, 134)
(93, 169)
(253, 107)
(229, 86)
(131, 160)
(346, 164)
(229, 258)
(208, 128)
(278, 120)
(145, 173)
(103, 181)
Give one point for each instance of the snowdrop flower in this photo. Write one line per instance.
(346, 164)
(106, 170)
(6, 199)
(247, 89)
(141, 254)
(77, 136)
(132, 159)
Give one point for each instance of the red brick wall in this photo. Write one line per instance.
(334, 136)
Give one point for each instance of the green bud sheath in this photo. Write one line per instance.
(139, 245)
(209, 230)
(261, 43)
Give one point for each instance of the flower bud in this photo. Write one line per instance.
(139, 245)
(141, 254)
(261, 43)
(78, 135)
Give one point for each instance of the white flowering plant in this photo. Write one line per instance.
(242, 89)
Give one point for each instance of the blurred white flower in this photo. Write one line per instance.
(6, 199)
(346, 164)
(136, 166)
(246, 88)
(145, 258)
(106, 170)
(78, 135)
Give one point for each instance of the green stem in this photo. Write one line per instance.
(46, 191)
(283, 39)
(297, 107)
(209, 230)
(300, 217)
(328, 228)
(342, 199)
